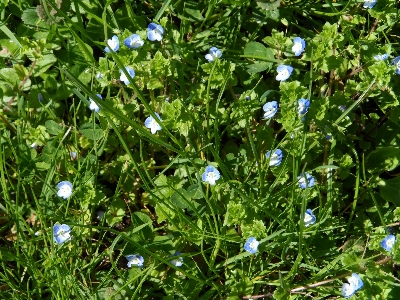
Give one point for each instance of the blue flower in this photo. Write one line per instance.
(369, 3)
(134, 41)
(275, 159)
(305, 180)
(135, 260)
(210, 175)
(152, 124)
(299, 45)
(123, 77)
(93, 105)
(73, 155)
(388, 242)
(251, 245)
(155, 32)
(355, 283)
(348, 290)
(303, 105)
(270, 109)
(284, 72)
(61, 233)
(381, 56)
(64, 189)
(213, 54)
(342, 107)
(113, 43)
(396, 62)
(178, 261)
(309, 218)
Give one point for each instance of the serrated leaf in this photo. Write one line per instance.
(258, 49)
(91, 132)
(52, 127)
(30, 17)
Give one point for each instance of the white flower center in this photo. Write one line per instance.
(112, 44)
(63, 234)
(390, 242)
(211, 175)
(284, 73)
(65, 190)
(398, 65)
(297, 47)
(348, 289)
(274, 159)
(253, 244)
(307, 218)
(135, 261)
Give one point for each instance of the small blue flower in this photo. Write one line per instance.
(309, 218)
(305, 180)
(123, 77)
(396, 62)
(178, 261)
(152, 124)
(135, 260)
(134, 41)
(388, 242)
(61, 233)
(93, 105)
(303, 105)
(299, 45)
(348, 290)
(369, 3)
(342, 107)
(270, 109)
(99, 75)
(381, 56)
(113, 43)
(73, 155)
(210, 175)
(275, 159)
(251, 245)
(40, 97)
(213, 54)
(284, 72)
(355, 283)
(64, 189)
(155, 32)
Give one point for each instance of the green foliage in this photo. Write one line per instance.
(135, 192)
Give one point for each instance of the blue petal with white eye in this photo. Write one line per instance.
(270, 109)
(309, 218)
(303, 105)
(155, 32)
(299, 46)
(112, 43)
(251, 245)
(388, 242)
(135, 260)
(275, 159)
(213, 54)
(134, 41)
(61, 233)
(305, 180)
(64, 189)
(210, 175)
(124, 78)
(369, 3)
(284, 72)
(152, 124)
(177, 261)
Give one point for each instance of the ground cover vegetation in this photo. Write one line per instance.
(222, 149)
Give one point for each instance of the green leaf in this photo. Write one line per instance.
(116, 212)
(389, 190)
(90, 132)
(43, 64)
(255, 49)
(258, 67)
(52, 127)
(386, 158)
(50, 85)
(30, 17)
